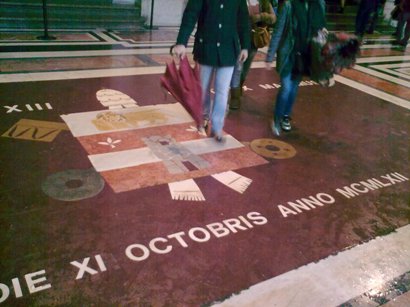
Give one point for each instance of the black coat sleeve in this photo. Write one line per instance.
(244, 25)
(189, 19)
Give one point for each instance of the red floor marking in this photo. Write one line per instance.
(194, 253)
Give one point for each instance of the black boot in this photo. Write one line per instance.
(235, 101)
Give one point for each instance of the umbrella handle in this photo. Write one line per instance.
(171, 49)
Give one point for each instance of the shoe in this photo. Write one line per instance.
(400, 44)
(275, 127)
(206, 124)
(203, 130)
(285, 123)
(220, 139)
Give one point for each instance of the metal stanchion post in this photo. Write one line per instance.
(151, 22)
(45, 21)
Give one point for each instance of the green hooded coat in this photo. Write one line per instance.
(288, 33)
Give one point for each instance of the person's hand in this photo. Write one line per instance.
(243, 55)
(179, 51)
(255, 18)
(268, 65)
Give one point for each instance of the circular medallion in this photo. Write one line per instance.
(273, 149)
(72, 185)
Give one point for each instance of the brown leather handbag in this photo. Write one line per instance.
(260, 37)
(260, 34)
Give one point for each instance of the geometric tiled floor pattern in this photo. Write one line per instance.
(97, 207)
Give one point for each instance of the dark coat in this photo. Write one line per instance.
(222, 30)
(285, 33)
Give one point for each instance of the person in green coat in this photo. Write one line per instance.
(298, 22)
(221, 39)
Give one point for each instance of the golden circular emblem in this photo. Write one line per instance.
(273, 149)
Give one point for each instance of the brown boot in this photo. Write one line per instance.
(235, 101)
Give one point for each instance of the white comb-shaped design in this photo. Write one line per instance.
(115, 99)
(186, 190)
(233, 180)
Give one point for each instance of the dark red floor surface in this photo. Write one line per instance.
(341, 136)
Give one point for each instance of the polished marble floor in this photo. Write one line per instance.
(93, 212)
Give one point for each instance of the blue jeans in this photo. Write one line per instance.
(215, 111)
(241, 69)
(287, 95)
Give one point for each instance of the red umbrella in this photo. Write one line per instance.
(184, 84)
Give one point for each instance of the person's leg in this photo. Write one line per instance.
(342, 6)
(238, 78)
(281, 102)
(223, 76)
(247, 64)
(235, 99)
(241, 69)
(206, 73)
(400, 26)
(366, 7)
(373, 21)
(359, 17)
(287, 93)
(236, 75)
(406, 37)
(294, 87)
(284, 121)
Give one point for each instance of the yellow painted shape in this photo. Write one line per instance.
(112, 121)
(35, 130)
